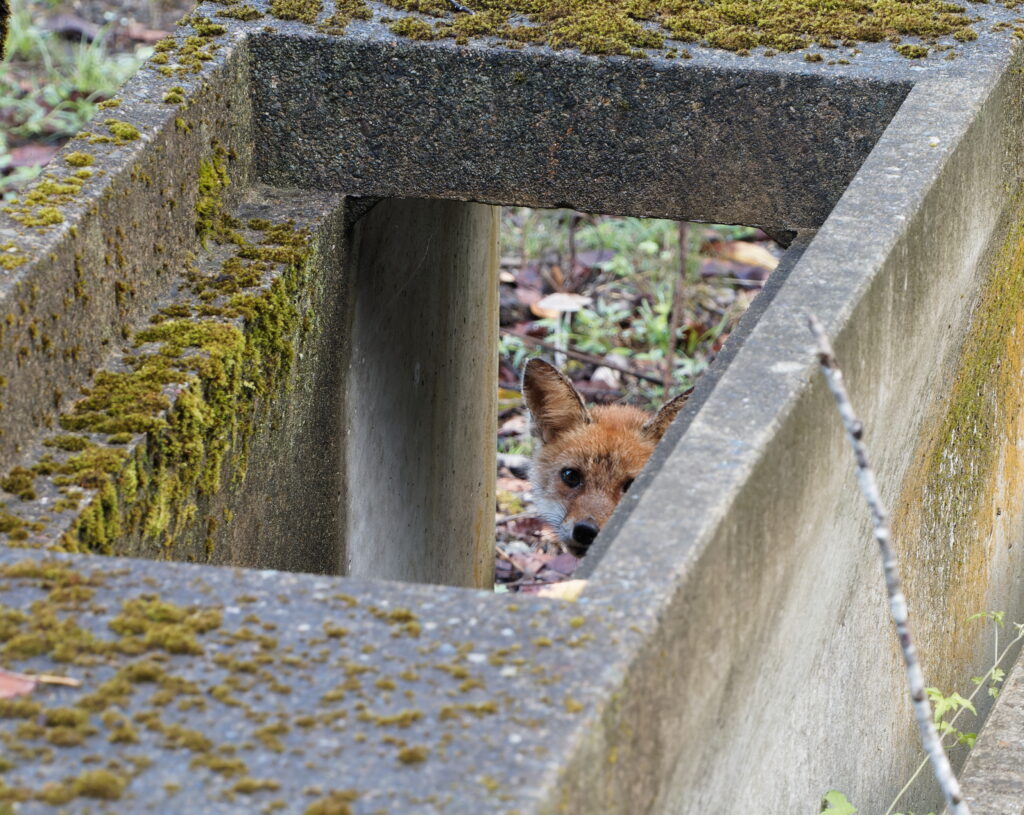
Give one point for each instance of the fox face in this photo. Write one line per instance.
(585, 460)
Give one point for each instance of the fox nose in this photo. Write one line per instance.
(584, 533)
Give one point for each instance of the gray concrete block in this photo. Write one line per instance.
(734, 626)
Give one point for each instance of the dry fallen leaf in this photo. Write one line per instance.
(566, 590)
(12, 684)
(139, 33)
(752, 254)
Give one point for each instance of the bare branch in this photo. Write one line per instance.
(582, 356)
(897, 602)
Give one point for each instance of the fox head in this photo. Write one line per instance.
(585, 460)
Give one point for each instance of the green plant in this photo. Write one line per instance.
(943, 705)
(49, 88)
(835, 803)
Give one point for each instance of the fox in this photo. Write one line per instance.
(584, 460)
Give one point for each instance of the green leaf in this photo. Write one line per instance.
(958, 701)
(835, 803)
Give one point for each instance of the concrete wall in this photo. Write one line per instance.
(420, 411)
(773, 658)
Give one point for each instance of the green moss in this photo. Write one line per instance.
(413, 28)
(10, 257)
(242, 12)
(177, 737)
(68, 442)
(222, 765)
(611, 27)
(912, 51)
(65, 717)
(219, 368)
(175, 95)
(20, 482)
(413, 755)
(337, 802)
(204, 28)
(101, 784)
(123, 734)
(44, 216)
(19, 709)
(248, 785)
(345, 11)
(79, 159)
(304, 10)
(213, 179)
(123, 132)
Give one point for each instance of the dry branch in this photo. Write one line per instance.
(590, 359)
(897, 602)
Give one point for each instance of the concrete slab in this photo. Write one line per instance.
(734, 625)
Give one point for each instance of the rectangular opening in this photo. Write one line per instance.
(599, 296)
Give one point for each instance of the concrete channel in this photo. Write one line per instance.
(252, 326)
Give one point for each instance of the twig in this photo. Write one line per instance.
(897, 602)
(504, 557)
(678, 287)
(581, 356)
(46, 679)
(518, 517)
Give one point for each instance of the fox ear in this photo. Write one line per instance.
(553, 402)
(657, 426)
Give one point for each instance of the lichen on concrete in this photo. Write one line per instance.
(968, 464)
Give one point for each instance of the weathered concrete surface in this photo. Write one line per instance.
(637, 137)
(121, 241)
(420, 412)
(285, 513)
(734, 627)
(770, 548)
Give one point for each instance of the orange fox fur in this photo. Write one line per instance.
(585, 460)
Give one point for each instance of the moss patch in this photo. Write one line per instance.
(613, 27)
(345, 11)
(10, 257)
(40, 205)
(218, 355)
(79, 159)
(959, 498)
(338, 802)
(242, 12)
(123, 132)
(305, 11)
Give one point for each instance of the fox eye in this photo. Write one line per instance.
(571, 477)
(627, 484)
